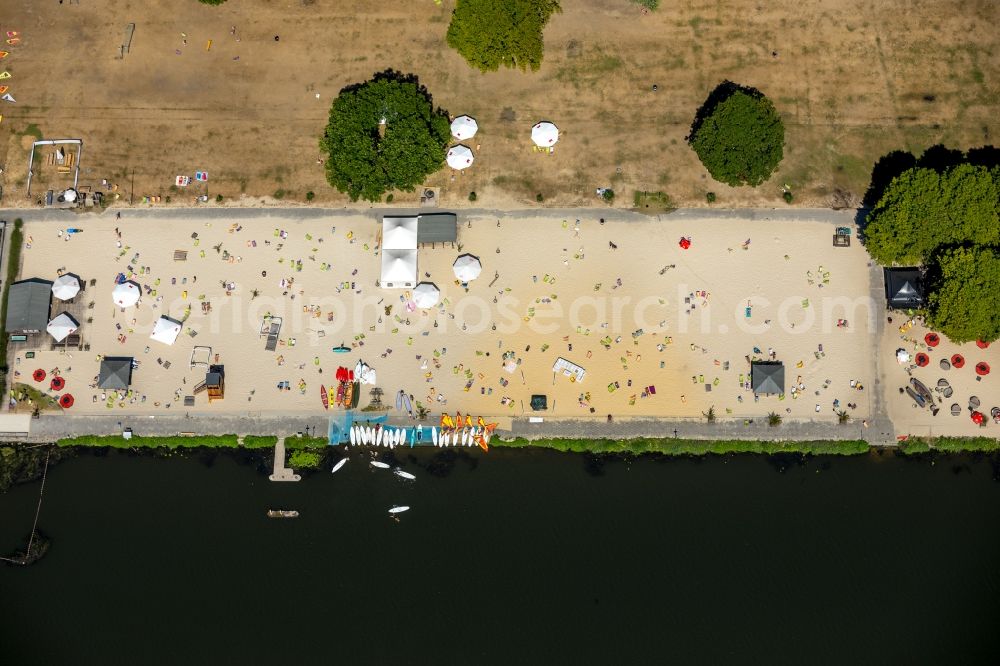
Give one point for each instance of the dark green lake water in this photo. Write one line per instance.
(511, 557)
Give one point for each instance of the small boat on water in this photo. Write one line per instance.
(338, 465)
(399, 509)
(380, 465)
(282, 513)
(405, 475)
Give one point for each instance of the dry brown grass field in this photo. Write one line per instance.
(853, 80)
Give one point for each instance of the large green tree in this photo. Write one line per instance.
(383, 134)
(490, 33)
(964, 300)
(923, 209)
(738, 135)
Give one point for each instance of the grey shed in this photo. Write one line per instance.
(116, 372)
(28, 305)
(767, 377)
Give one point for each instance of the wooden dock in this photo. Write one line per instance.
(282, 473)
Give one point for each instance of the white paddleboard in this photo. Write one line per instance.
(354, 436)
(380, 465)
(434, 435)
(338, 465)
(405, 475)
(399, 509)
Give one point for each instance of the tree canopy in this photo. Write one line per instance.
(738, 135)
(965, 294)
(366, 158)
(490, 33)
(923, 209)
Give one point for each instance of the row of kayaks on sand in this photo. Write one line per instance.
(393, 437)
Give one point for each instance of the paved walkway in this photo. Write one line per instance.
(282, 473)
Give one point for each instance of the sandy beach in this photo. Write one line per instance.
(659, 330)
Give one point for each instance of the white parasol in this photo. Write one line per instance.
(544, 134)
(464, 127)
(66, 287)
(166, 330)
(126, 294)
(460, 157)
(426, 295)
(62, 327)
(467, 267)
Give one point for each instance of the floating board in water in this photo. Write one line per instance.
(354, 436)
(378, 437)
(324, 396)
(434, 435)
(338, 465)
(380, 465)
(405, 475)
(402, 436)
(465, 437)
(399, 509)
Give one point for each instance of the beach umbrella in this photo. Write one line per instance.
(460, 157)
(426, 295)
(57, 383)
(544, 134)
(126, 294)
(38, 375)
(62, 327)
(467, 267)
(978, 418)
(982, 368)
(66, 400)
(957, 360)
(923, 359)
(464, 127)
(66, 286)
(166, 330)
(685, 243)
(982, 344)
(932, 339)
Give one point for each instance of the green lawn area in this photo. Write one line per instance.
(119, 442)
(692, 447)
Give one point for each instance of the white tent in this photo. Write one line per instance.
(364, 373)
(464, 127)
(426, 295)
(126, 294)
(62, 327)
(399, 233)
(467, 267)
(544, 134)
(166, 330)
(66, 286)
(399, 269)
(460, 157)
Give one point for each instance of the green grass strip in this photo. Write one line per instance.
(917, 445)
(690, 447)
(298, 443)
(259, 441)
(119, 442)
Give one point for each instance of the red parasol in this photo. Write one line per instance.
(932, 339)
(685, 243)
(957, 360)
(58, 383)
(982, 344)
(978, 418)
(66, 400)
(38, 375)
(341, 374)
(923, 359)
(982, 368)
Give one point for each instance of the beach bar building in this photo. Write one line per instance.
(116, 373)
(767, 377)
(28, 304)
(903, 288)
